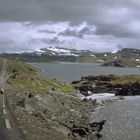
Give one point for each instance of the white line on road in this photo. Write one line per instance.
(8, 125)
(4, 111)
(3, 105)
(3, 101)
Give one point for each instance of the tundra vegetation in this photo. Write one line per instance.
(48, 109)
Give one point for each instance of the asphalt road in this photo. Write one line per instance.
(9, 129)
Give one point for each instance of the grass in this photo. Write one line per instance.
(87, 59)
(126, 79)
(29, 79)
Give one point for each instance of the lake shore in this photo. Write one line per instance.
(68, 72)
(49, 113)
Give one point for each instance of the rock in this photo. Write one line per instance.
(97, 126)
(98, 78)
(129, 90)
(85, 87)
(96, 84)
(30, 95)
(21, 103)
(100, 102)
(85, 90)
(75, 82)
(14, 74)
(106, 84)
(99, 135)
(81, 131)
(62, 112)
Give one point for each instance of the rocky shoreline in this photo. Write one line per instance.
(47, 109)
(50, 110)
(57, 115)
(120, 85)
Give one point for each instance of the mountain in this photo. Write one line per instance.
(122, 58)
(55, 51)
(54, 54)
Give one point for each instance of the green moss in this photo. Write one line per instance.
(126, 79)
(86, 59)
(28, 78)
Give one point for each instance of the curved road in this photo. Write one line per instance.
(9, 129)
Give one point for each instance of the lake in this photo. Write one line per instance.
(68, 72)
(122, 117)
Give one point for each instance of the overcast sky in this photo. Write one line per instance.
(116, 23)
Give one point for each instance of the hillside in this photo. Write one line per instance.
(122, 58)
(24, 78)
(42, 109)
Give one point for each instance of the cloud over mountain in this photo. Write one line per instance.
(108, 24)
(17, 36)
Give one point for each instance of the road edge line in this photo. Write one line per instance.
(7, 123)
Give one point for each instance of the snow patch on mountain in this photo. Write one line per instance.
(28, 36)
(64, 52)
(61, 51)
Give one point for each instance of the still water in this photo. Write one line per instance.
(122, 119)
(67, 72)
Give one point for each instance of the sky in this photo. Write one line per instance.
(97, 25)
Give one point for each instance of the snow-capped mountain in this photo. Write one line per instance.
(29, 36)
(64, 52)
(123, 58)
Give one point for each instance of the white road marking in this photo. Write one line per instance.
(4, 111)
(7, 123)
(3, 105)
(3, 101)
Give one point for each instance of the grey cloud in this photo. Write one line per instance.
(26, 36)
(55, 9)
(105, 13)
(117, 18)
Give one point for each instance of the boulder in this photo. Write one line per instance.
(96, 84)
(21, 103)
(129, 90)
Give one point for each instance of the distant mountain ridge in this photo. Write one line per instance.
(64, 52)
(122, 58)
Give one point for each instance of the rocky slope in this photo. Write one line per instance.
(56, 116)
(48, 109)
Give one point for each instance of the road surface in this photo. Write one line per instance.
(9, 130)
